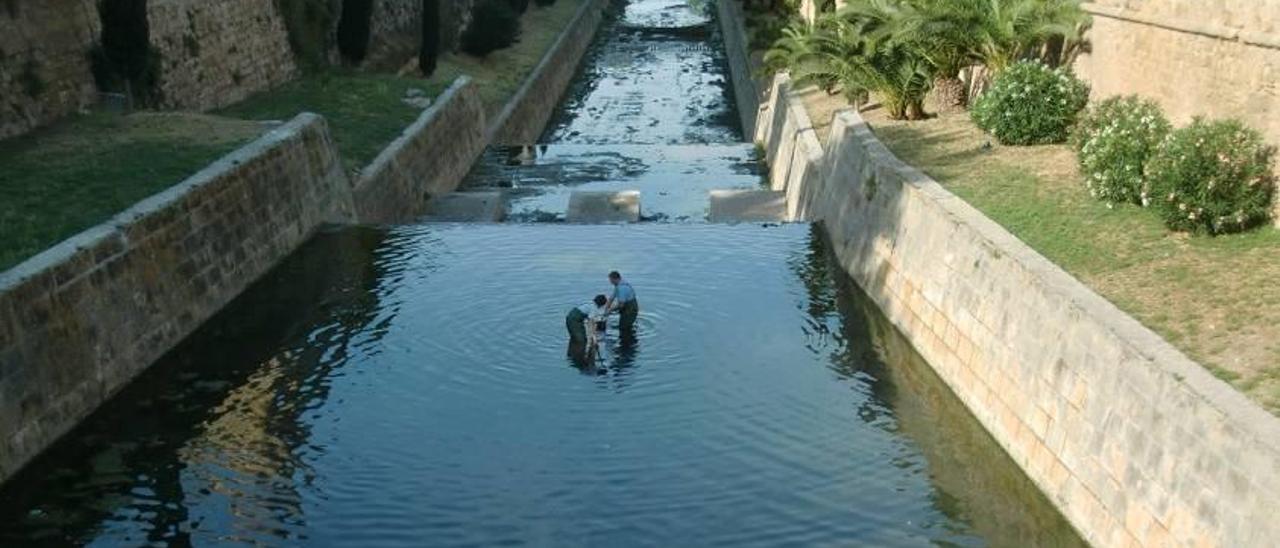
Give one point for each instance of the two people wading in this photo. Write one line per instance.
(587, 322)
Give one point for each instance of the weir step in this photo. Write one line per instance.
(734, 206)
(475, 207)
(674, 179)
(587, 206)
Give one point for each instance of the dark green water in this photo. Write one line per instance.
(409, 386)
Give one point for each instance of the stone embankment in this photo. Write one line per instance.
(82, 319)
(1133, 441)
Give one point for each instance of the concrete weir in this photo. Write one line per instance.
(731, 206)
(586, 206)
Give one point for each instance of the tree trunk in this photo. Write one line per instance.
(915, 110)
(949, 94)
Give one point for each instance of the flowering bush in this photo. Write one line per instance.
(1113, 142)
(1031, 104)
(1212, 176)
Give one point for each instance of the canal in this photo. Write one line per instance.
(409, 385)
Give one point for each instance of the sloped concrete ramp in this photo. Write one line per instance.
(474, 207)
(747, 206)
(604, 207)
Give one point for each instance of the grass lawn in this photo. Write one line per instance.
(502, 72)
(1217, 299)
(366, 110)
(66, 178)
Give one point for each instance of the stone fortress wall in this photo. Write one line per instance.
(1216, 58)
(44, 61)
(214, 54)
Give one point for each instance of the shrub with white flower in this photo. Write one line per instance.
(1114, 140)
(1031, 104)
(1212, 176)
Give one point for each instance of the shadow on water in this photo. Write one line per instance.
(244, 382)
(974, 481)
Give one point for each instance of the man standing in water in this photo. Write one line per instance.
(624, 301)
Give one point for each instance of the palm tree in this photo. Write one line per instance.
(994, 33)
(901, 49)
(848, 48)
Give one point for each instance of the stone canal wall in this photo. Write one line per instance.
(80, 320)
(429, 159)
(746, 87)
(523, 118)
(1134, 442)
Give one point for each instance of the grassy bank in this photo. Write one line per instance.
(502, 72)
(366, 110)
(1217, 299)
(61, 180)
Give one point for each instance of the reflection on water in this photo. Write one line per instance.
(409, 386)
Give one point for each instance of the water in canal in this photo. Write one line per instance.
(409, 385)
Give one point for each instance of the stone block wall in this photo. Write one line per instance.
(524, 117)
(395, 32)
(1217, 58)
(214, 54)
(746, 88)
(1136, 444)
(430, 158)
(44, 61)
(80, 320)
